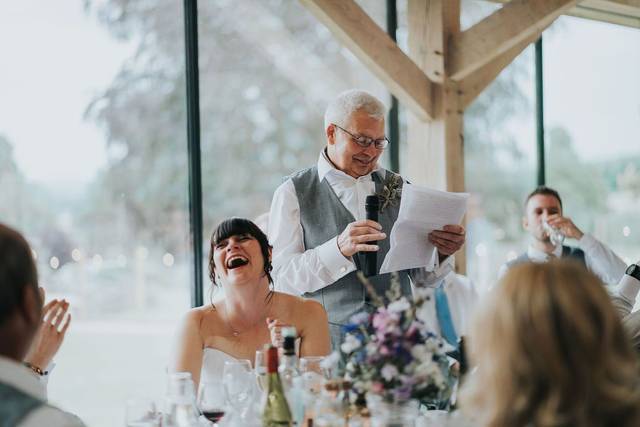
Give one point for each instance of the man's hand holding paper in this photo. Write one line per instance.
(425, 212)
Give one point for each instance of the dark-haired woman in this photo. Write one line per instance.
(250, 312)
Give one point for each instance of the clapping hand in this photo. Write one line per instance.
(448, 240)
(275, 329)
(50, 334)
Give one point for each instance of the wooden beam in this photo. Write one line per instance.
(516, 21)
(435, 148)
(358, 32)
(474, 84)
(619, 12)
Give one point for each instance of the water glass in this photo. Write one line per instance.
(239, 380)
(313, 374)
(211, 400)
(261, 369)
(142, 412)
(555, 235)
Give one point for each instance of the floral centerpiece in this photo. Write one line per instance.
(392, 354)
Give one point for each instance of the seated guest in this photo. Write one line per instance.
(23, 401)
(544, 204)
(250, 313)
(550, 351)
(624, 299)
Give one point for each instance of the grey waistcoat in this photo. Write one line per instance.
(15, 405)
(323, 216)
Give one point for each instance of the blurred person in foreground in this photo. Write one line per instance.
(250, 314)
(26, 334)
(545, 205)
(550, 350)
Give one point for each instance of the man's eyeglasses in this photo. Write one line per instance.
(365, 141)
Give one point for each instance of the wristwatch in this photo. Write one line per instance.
(634, 271)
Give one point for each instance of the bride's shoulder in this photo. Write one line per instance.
(198, 316)
(301, 306)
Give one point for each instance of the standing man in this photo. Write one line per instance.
(544, 204)
(318, 225)
(23, 395)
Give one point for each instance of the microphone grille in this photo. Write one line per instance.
(372, 201)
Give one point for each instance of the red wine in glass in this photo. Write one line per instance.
(214, 415)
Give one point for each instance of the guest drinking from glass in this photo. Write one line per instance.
(250, 313)
(550, 351)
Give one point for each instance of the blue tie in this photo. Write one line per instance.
(444, 317)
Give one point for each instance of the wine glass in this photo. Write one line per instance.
(239, 381)
(142, 412)
(261, 369)
(211, 400)
(313, 373)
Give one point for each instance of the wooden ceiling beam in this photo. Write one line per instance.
(359, 33)
(474, 84)
(498, 33)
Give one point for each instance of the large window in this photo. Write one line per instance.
(93, 172)
(592, 114)
(264, 89)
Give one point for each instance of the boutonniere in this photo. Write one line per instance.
(391, 191)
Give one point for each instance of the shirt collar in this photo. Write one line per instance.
(20, 377)
(537, 255)
(325, 166)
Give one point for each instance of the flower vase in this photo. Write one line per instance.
(392, 414)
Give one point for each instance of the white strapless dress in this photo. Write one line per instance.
(213, 364)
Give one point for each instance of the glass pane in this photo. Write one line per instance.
(93, 172)
(592, 115)
(264, 89)
(500, 168)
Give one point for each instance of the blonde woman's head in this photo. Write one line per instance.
(551, 351)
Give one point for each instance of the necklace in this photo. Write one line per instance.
(235, 332)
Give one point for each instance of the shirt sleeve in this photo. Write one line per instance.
(601, 260)
(50, 417)
(296, 270)
(431, 275)
(625, 294)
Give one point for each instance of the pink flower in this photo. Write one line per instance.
(377, 387)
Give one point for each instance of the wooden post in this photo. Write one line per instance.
(436, 151)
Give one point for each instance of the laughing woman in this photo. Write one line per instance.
(250, 313)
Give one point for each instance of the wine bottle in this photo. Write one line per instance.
(276, 409)
(288, 369)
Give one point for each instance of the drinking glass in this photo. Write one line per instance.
(313, 374)
(239, 381)
(141, 412)
(261, 369)
(211, 400)
(555, 235)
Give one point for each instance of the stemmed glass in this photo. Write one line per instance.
(239, 381)
(313, 373)
(211, 400)
(261, 369)
(142, 413)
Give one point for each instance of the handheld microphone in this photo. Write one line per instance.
(371, 207)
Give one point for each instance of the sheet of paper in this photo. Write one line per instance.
(422, 210)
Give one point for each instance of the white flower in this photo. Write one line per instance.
(350, 344)
(420, 352)
(389, 371)
(399, 306)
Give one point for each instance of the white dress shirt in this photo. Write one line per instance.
(600, 259)
(462, 298)
(16, 375)
(298, 270)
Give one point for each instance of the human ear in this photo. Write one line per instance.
(31, 308)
